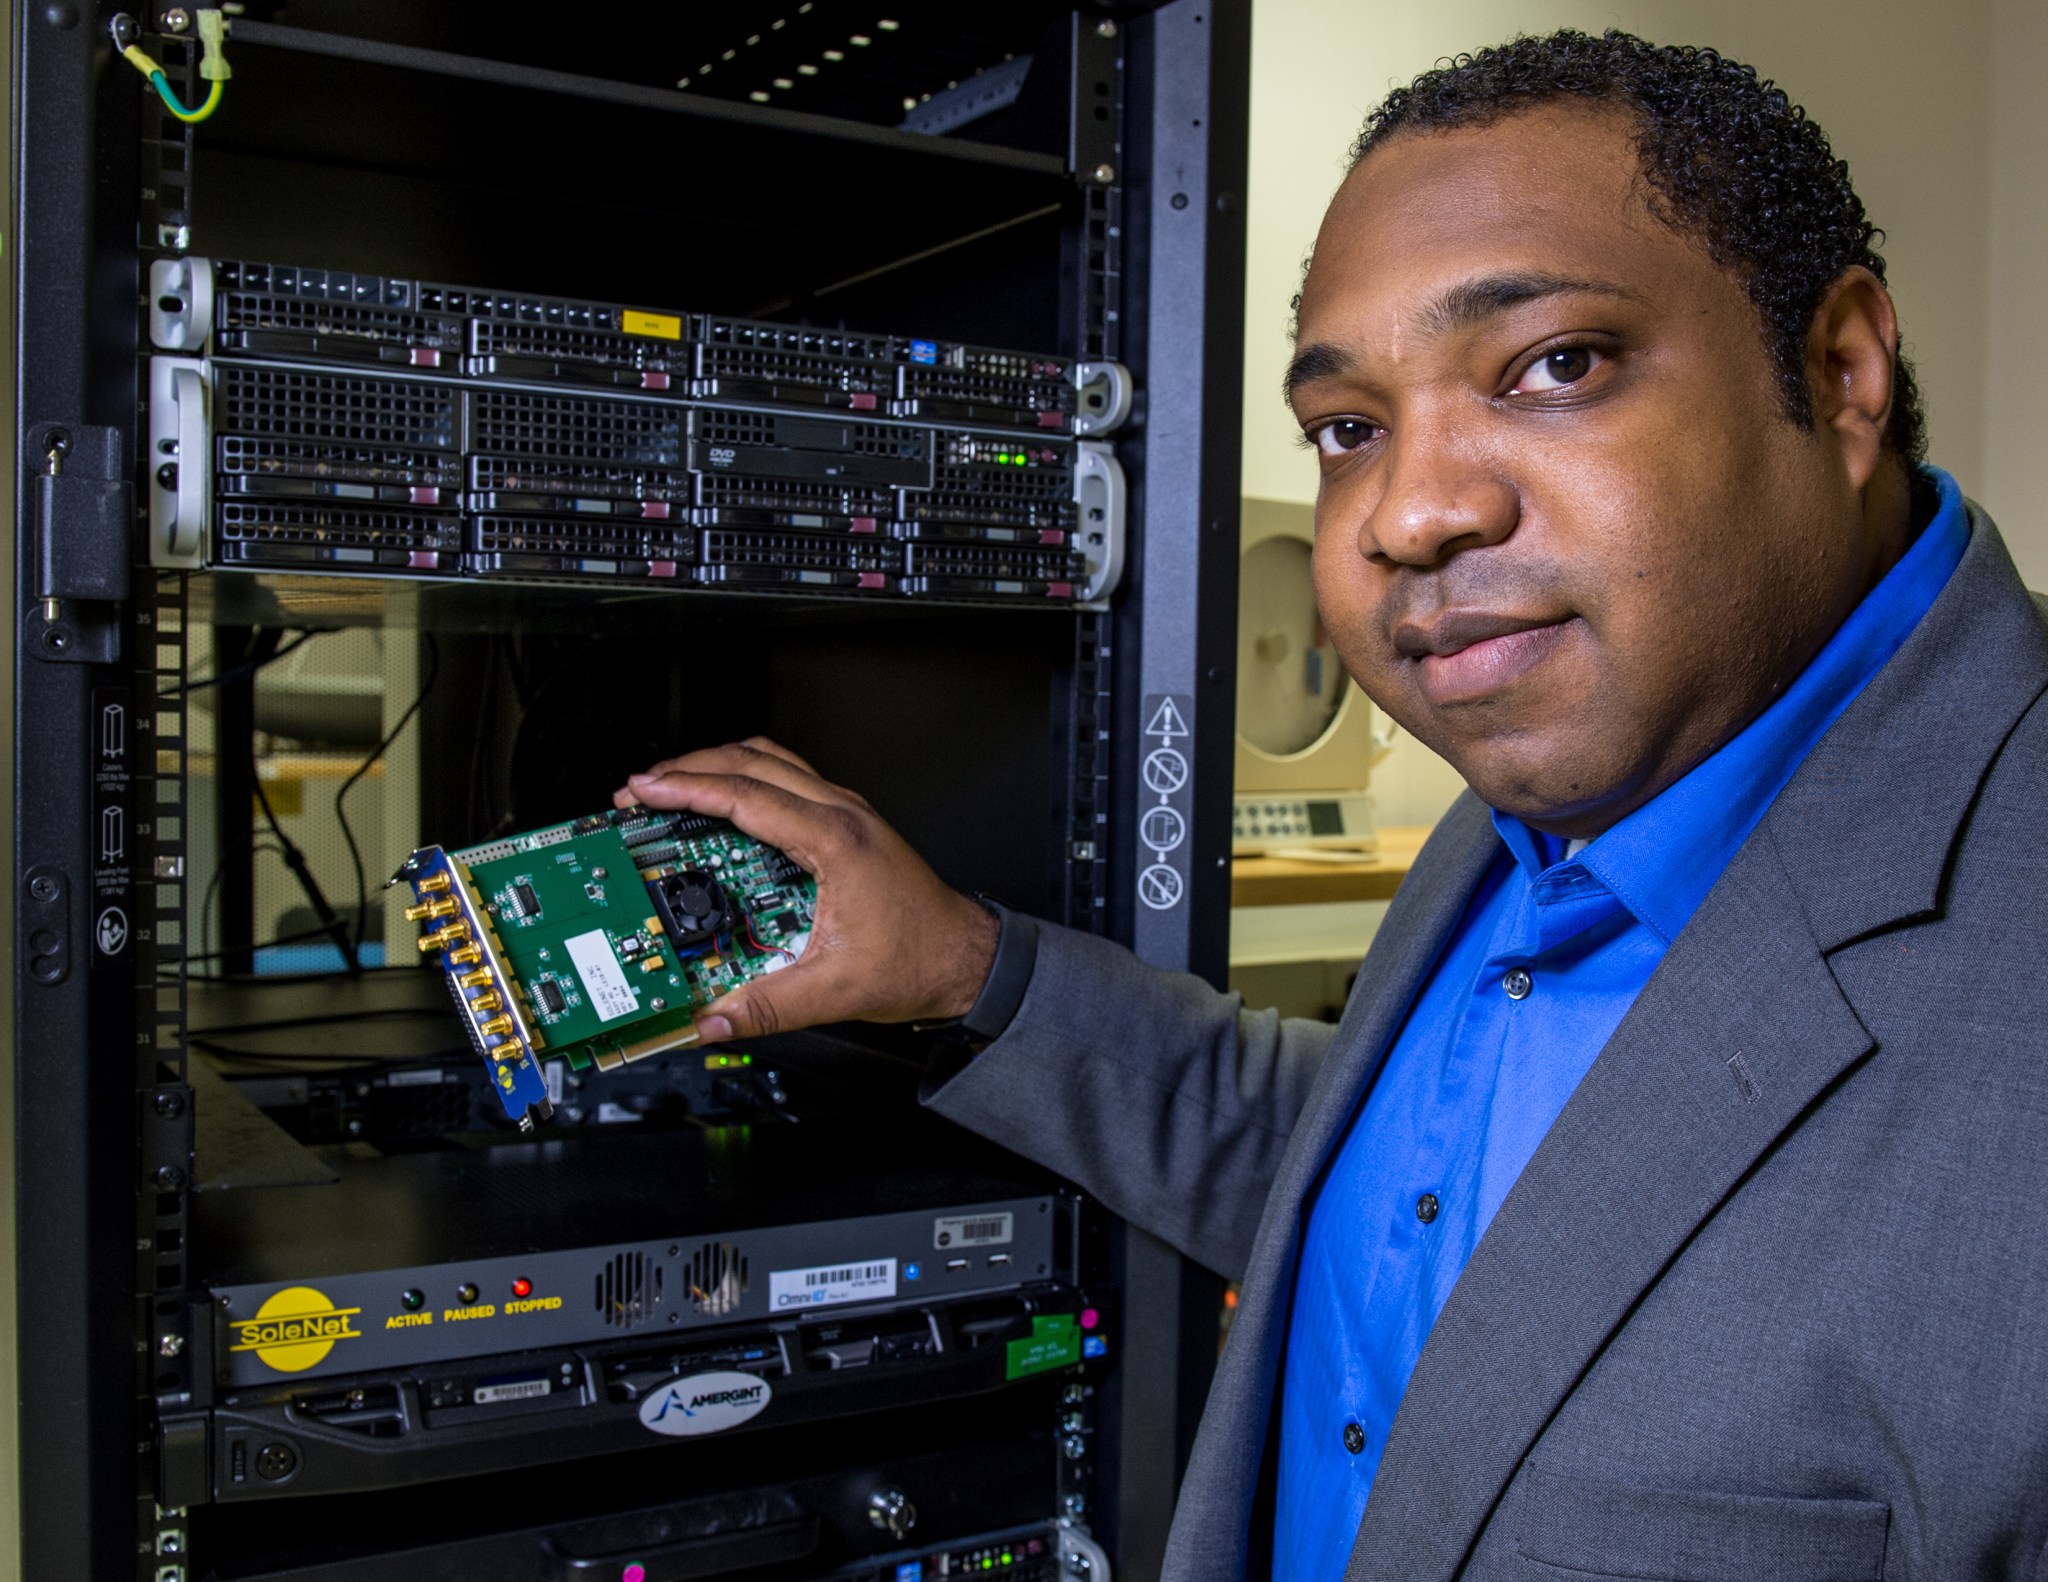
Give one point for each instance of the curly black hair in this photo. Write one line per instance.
(1731, 162)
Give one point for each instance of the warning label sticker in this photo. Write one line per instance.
(604, 981)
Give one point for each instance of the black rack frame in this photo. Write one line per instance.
(103, 1120)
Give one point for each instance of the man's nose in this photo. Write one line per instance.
(1440, 498)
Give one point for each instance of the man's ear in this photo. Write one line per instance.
(1851, 350)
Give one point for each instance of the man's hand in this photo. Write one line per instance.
(891, 942)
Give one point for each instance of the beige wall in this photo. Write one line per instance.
(1936, 105)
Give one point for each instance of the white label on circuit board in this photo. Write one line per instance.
(604, 983)
(973, 1230)
(834, 1283)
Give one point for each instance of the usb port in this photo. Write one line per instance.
(955, 1263)
(997, 1259)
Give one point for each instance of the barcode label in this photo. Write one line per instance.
(515, 1390)
(832, 1283)
(974, 1230)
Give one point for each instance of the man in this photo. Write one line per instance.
(1690, 1106)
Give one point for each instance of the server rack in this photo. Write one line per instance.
(1137, 255)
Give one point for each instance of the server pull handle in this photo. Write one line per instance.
(179, 463)
(667, 1552)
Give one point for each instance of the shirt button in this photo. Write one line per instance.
(1426, 1207)
(1354, 1438)
(1518, 983)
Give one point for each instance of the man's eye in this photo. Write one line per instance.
(1343, 436)
(1557, 370)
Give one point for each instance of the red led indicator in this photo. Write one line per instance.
(522, 1287)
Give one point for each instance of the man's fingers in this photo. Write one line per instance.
(775, 749)
(800, 996)
(777, 768)
(808, 831)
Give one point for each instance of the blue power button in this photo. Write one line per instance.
(911, 1271)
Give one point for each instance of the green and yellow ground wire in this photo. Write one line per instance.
(213, 66)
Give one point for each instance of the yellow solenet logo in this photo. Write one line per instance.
(295, 1329)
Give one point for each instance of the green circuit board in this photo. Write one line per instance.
(596, 941)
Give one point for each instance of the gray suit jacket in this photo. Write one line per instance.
(1771, 1299)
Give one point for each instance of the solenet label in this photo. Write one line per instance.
(704, 1403)
(822, 1287)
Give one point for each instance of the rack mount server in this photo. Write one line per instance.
(353, 423)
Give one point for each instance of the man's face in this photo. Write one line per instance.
(1564, 534)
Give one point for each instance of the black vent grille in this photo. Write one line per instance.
(992, 501)
(797, 368)
(575, 538)
(726, 426)
(251, 310)
(999, 386)
(245, 456)
(800, 551)
(629, 1290)
(289, 404)
(994, 562)
(578, 430)
(788, 494)
(740, 335)
(716, 1276)
(567, 343)
(535, 476)
(721, 426)
(330, 537)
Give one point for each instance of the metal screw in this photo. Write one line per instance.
(1073, 1504)
(1105, 174)
(43, 887)
(1105, 29)
(177, 19)
(170, 1104)
(657, 1004)
(168, 1178)
(597, 873)
(55, 448)
(171, 1346)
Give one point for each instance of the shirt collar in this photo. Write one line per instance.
(1665, 856)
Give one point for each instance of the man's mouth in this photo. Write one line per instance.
(1462, 655)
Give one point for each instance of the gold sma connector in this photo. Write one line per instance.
(447, 934)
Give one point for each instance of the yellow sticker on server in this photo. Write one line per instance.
(662, 326)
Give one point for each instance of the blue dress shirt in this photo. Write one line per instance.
(1551, 952)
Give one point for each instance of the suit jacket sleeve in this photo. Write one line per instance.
(1165, 1099)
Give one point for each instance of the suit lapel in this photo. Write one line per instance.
(1211, 1530)
(1739, 1030)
